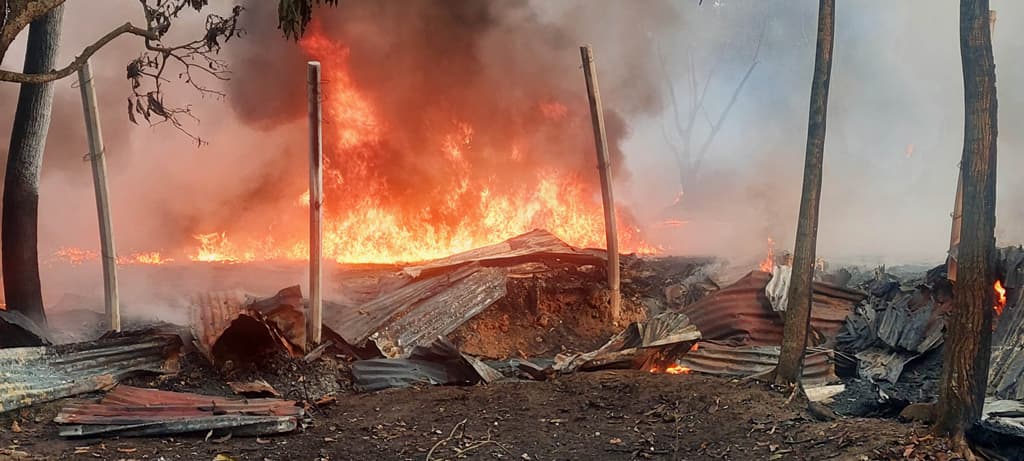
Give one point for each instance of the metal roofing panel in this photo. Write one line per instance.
(741, 311)
(132, 411)
(441, 314)
(438, 362)
(30, 375)
(727, 360)
(534, 243)
(355, 324)
(212, 313)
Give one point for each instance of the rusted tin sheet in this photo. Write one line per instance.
(741, 312)
(212, 314)
(642, 345)
(30, 375)
(534, 244)
(132, 411)
(727, 360)
(441, 314)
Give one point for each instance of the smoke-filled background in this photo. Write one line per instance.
(894, 128)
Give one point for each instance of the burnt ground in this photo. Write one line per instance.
(603, 415)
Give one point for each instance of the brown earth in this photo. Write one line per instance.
(606, 415)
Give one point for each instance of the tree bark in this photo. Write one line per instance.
(798, 311)
(969, 327)
(18, 230)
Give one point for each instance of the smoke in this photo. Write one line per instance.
(893, 143)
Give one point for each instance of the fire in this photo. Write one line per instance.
(1000, 298)
(148, 257)
(75, 256)
(674, 369)
(484, 197)
(769, 261)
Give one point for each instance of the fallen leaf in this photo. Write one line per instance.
(908, 450)
(223, 457)
(615, 441)
(15, 427)
(262, 441)
(526, 457)
(329, 439)
(127, 450)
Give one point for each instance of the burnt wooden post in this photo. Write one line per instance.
(315, 325)
(604, 168)
(99, 178)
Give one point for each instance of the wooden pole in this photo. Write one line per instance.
(604, 168)
(99, 178)
(315, 201)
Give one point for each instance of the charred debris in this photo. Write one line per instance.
(529, 308)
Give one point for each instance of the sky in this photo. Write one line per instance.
(893, 143)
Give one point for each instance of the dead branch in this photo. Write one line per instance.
(444, 441)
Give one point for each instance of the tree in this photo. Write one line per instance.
(21, 184)
(969, 326)
(798, 311)
(196, 60)
(689, 161)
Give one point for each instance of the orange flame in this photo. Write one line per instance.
(372, 222)
(674, 369)
(1000, 298)
(769, 261)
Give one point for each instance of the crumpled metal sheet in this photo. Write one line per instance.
(642, 345)
(741, 312)
(1006, 372)
(30, 375)
(777, 289)
(438, 363)
(442, 313)
(510, 252)
(212, 314)
(728, 360)
(131, 411)
(16, 330)
(470, 288)
(1003, 416)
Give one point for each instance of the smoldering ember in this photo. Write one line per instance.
(516, 229)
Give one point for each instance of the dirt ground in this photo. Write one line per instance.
(605, 415)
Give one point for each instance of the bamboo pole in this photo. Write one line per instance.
(604, 168)
(315, 201)
(99, 176)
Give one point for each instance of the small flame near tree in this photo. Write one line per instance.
(1000, 297)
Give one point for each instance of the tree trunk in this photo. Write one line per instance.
(969, 327)
(18, 231)
(798, 311)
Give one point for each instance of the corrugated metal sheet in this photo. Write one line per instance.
(741, 312)
(432, 299)
(728, 360)
(531, 245)
(132, 411)
(30, 375)
(437, 363)
(441, 314)
(1006, 372)
(211, 314)
(355, 324)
